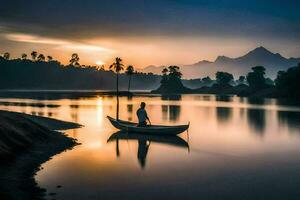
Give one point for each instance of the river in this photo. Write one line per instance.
(235, 148)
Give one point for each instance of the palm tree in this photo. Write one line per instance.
(41, 57)
(50, 58)
(24, 56)
(74, 61)
(6, 56)
(33, 55)
(117, 66)
(129, 72)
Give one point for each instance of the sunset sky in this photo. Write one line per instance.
(148, 32)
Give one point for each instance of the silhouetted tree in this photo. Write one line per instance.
(174, 77)
(41, 57)
(171, 81)
(165, 71)
(6, 55)
(24, 56)
(164, 78)
(256, 79)
(50, 58)
(117, 66)
(288, 82)
(34, 54)
(129, 72)
(174, 72)
(241, 80)
(74, 61)
(223, 78)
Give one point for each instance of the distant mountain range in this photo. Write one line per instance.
(273, 62)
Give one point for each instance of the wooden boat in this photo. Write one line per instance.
(149, 129)
(163, 139)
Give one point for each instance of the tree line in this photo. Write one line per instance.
(33, 73)
(34, 56)
(116, 66)
(286, 84)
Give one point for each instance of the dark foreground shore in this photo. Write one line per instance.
(26, 142)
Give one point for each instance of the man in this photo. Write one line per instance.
(142, 115)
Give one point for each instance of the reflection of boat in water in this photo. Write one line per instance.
(144, 141)
(168, 139)
(152, 129)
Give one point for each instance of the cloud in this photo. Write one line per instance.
(61, 44)
(86, 19)
(17, 37)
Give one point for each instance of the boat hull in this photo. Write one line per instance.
(152, 129)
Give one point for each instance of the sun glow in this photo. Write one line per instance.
(100, 110)
(99, 62)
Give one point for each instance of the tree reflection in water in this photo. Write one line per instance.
(257, 117)
(290, 119)
(171, 112)
(257, 120)
(224, 114)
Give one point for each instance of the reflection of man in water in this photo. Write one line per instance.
(142, 152)
(142, 115)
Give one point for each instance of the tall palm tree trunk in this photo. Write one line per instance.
(129, 83)
(117, 97)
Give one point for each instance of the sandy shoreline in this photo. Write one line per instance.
(26, 142)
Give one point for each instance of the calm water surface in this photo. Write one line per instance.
(236, 148)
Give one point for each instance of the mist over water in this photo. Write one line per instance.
(236, 148)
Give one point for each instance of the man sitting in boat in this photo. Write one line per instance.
(142, 115)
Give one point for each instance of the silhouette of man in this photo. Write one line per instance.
(142, 152)
(142, 115)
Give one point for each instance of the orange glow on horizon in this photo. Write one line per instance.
(139, 51)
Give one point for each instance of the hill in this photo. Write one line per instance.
(273, 62)
(27, 74)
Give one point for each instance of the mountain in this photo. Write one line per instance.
(273, 62)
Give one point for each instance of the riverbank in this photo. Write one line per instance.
(26, 142)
